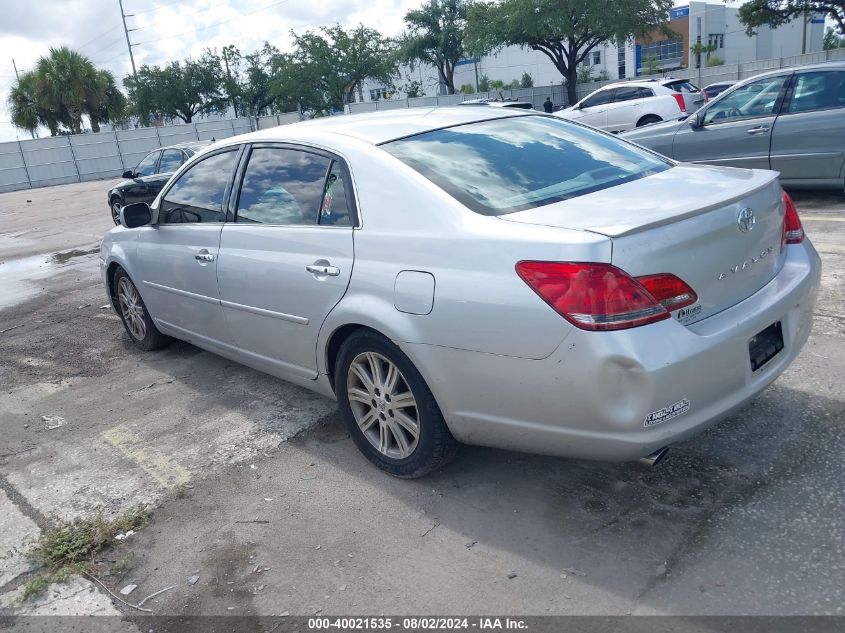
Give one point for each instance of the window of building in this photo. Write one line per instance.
(377, 94)
(716, 40)
(596, 58)
(666, 53)
(620, 57)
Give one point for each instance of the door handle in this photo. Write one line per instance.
(317, 269)
(204, 256)
(758, 130)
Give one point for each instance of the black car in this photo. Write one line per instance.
(151, 174)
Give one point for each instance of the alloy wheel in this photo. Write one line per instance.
(383, 405)
(131, 308)
(115, 212)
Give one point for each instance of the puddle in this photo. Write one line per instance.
(20, 279)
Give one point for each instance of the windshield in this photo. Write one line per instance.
(512, 164)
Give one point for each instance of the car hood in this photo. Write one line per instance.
(655, 129)
(122, 184)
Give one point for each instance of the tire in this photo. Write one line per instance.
(381, 427)
(648, 120)
(115, 212)
(136, 319)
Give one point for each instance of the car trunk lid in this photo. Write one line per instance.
(690, 221)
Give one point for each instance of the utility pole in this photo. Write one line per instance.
(123, 17)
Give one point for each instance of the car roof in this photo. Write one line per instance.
(192, 145)
(379, 127)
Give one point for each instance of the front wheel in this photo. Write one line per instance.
(136, 319)
(115, 210)
(389, 410)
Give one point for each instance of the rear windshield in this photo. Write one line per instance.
(682, 86)
(512, 164)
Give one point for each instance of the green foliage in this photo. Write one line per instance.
(413, 88)
(69, 548)
(436, 36)
(774, 13)
(714, 60)
(180, 90)
(484, 83)
(651, 66)
(330, 65)
(258, 96)
(468, 89)
(833, 40)
(496, 84)
(64, 87)
(563, 30)
(527, 81)
(584, 75)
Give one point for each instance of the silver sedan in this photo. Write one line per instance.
(477, 275)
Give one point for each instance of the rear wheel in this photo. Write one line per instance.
(648, 120)
(389, 410)
(116, 205)
(136, 319)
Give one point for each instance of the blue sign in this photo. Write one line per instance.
(679, 12)
(466, 60)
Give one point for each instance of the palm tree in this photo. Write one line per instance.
(62, 88)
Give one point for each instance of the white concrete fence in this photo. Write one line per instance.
(56, 160)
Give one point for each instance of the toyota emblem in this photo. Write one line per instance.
(745, 220)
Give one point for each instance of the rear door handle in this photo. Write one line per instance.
(204, 256)
(316, 269)
(758, 130)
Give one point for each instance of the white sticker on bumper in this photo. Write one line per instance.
(666, 413)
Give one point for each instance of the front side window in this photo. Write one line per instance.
(147, 167)
(198, 194)
(282, 186)
(818, 91)
(512, 164)
(171, 160)
(756, 99)
(597, 98)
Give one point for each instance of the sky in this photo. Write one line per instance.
(167, 30)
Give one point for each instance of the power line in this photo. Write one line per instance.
(211, 26)
(158, 6)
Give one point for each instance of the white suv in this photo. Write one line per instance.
(626, 105)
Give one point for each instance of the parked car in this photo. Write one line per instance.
(149, 176)
(490, 276)
(631, 104)
(790, 120)
(715, 89)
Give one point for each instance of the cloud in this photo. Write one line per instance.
(168, 30)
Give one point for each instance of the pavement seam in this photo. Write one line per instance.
(29, 511)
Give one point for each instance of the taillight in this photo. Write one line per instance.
(793, 232)
(681, 103)
(591, 296)
(670, 291)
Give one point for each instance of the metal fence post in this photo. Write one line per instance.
(232, 121)
(25, 168)
(158, 136)
(73, 155)
(197, 130)
(119, 153)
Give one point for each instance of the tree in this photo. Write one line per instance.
(231, 60)
(257, 95)
(436, 36)
(527, 81)
(651, 65)
(714, 60)
(484, 83)
(337, 62)
(180, 90)
(563, 30)
(832, 40)
(63, 87)
(468, 89)
(774, 13)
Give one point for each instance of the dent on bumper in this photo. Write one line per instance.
(590, 399)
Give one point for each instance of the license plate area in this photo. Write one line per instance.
(765, 346)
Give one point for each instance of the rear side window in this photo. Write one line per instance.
(512, 164)
(644, 92)
(198, 194)
(818, 91)
(282, 186)
(334, 209)
(626, 94)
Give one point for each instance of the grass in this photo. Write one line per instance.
(70, 548)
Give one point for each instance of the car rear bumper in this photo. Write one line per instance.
(591, 398)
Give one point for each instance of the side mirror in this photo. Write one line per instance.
(128, 174)
(135, 215)
(694, 121)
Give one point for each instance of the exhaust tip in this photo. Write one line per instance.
(654, 458)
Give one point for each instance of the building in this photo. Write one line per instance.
(710, 23)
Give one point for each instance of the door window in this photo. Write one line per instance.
(198, 194)
(171, 160)
(626, 94)
(283, 186)
(147, 167)
(756, 99)
(599, 98)
(335, 208)
(643, 93)
(818, 91)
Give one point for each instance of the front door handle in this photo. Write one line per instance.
(317, 269)
(204, 256)
(758, 130)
